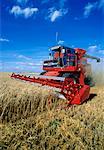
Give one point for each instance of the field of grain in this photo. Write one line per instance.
(32, 118)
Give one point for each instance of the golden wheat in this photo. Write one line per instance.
(29, 121)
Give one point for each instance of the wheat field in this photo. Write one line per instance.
(32, 118)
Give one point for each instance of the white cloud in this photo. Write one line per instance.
(96, 49)
(101, 52)
(25, 63)
(89, 8)
(55, 14)
(4, 40)
(26, 12)
(92, 48)
(23, 57)
(29, 63)
(60, 42)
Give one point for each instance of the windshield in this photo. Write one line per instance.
(54, 54)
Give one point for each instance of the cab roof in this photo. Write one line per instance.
(57, 47)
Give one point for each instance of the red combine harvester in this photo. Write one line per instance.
(67, 70)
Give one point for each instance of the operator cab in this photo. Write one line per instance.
(61, 56)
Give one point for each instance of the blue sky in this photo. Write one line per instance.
(28, 29)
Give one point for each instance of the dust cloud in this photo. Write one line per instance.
(98, 72)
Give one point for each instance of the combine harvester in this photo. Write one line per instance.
(67, 70)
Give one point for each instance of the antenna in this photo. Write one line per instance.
(56, 37)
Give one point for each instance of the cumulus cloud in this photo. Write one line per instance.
(4, 40)
(55, 14)
(89, 8)
(26, 12)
